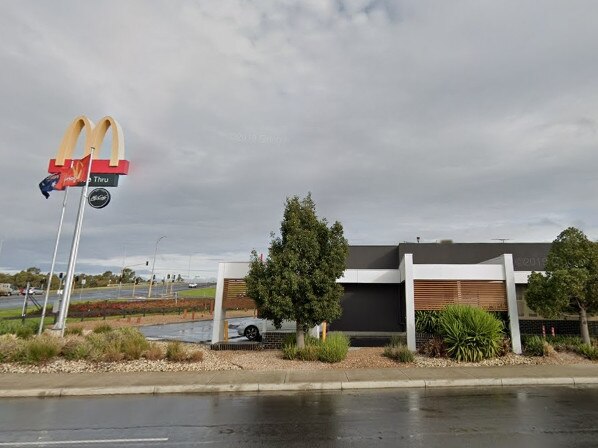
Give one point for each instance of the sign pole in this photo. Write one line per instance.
(24, 310)
(51, 274)
(68, 286)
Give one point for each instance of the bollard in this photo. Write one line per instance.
(226, 331)
(324, 331)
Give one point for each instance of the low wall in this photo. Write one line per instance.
(560, 326)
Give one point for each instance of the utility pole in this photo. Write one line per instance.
(149, 291)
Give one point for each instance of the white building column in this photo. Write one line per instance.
(218, 323)
(507, 260)
(406, 273)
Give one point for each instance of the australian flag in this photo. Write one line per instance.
(48, 184)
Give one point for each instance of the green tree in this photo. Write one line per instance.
(571, 281)
(128, 275)
(297, 281)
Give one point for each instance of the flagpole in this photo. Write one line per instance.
(66, 295)
(51, 274)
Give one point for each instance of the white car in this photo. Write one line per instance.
(252, 328)
(192, 285)
(32, 291)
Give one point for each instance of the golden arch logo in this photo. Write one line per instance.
(94, 137)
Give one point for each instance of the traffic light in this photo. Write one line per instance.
(147, 262)
(168, 276)
(60, 276)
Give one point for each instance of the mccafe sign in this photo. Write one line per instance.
(99, 198)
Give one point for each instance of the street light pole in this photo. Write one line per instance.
(149, 291)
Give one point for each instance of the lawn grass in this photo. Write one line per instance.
(10, 312)
(198, 292)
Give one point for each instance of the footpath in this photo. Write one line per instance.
(86, 384)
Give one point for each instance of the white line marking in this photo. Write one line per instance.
(82, 442)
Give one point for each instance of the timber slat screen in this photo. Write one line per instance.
(436, 294)
(235, 295)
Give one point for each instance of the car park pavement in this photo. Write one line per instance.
(85, 384)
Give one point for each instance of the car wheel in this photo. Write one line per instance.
(252, 333)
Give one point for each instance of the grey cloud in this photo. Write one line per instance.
(468, 121)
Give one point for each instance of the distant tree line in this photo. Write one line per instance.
(38, 279)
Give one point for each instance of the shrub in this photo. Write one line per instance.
(427, 321)
(39, 349)
(535, 346)
(396, 340)
(112, 353)
(310, 352)
(102, 328)
(195, 356)
(175, 352)
(76, 348)
(289, 339)
(505, 346)
(565, 342)
(399, 353)
(132, 343)
(73, 331)
(470, 334)
(97, 344)
(334, 348)
(434, 348)
(22, 330)
(113, 346)
(588, 351)
(10, 347)
(289, 351)
(154, 352)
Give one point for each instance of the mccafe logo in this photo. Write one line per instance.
(99, 198)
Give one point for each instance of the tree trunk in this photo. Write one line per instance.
(583, 324)
(300, 336)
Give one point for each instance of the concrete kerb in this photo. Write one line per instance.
(585, 380)
(272, 387)
(538, 381)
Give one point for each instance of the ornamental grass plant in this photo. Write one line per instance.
(333, 349)
(21, 330)
(399, 353)
(39, 350)
(535, 346)
(470, 334)
(76, 348)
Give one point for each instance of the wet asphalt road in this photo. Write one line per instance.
(497, 417)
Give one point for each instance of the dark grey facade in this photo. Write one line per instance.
(526, 256)
(373, 257)
(381, 307)
(371, 308)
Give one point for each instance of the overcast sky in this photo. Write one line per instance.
(463, 120)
